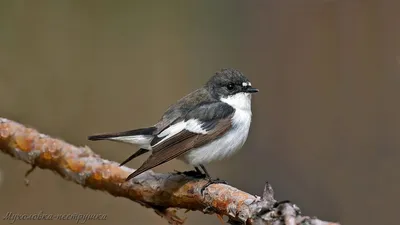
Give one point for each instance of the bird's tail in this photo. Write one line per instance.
(141, 136)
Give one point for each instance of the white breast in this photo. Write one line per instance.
(232, 141)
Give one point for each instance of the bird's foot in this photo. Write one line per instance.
(276, 204)
(212, 181)
(192, 174)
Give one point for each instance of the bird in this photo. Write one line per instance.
(209, 124)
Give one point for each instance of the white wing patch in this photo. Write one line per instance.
(172, 130)
(192, 125)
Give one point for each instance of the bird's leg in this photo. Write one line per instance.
(205, 172)
(210, 180)
(198, 170)
(193, 173)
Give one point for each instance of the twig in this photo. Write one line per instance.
(164, 193)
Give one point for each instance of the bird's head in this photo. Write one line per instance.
(232, 87)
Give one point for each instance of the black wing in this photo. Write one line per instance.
(215, 119)
(208, 114)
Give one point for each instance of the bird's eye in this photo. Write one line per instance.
(230, 86)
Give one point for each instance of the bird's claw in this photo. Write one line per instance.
(276, 204)
(212, 181)
(191, 173)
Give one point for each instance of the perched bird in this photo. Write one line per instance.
(209, 124)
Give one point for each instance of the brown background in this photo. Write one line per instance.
(326, 122)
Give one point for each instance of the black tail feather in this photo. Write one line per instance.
(142, 131)
(134, 155)
(98, 137)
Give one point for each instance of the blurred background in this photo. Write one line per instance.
(326, 122)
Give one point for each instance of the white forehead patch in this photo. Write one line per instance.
(245, 84)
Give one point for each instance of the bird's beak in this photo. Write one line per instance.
(251, 90)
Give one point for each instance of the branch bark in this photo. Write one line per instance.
(164, 193)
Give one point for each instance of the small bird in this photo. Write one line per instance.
(209, 124)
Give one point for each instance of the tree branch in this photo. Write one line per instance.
(162, 192)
